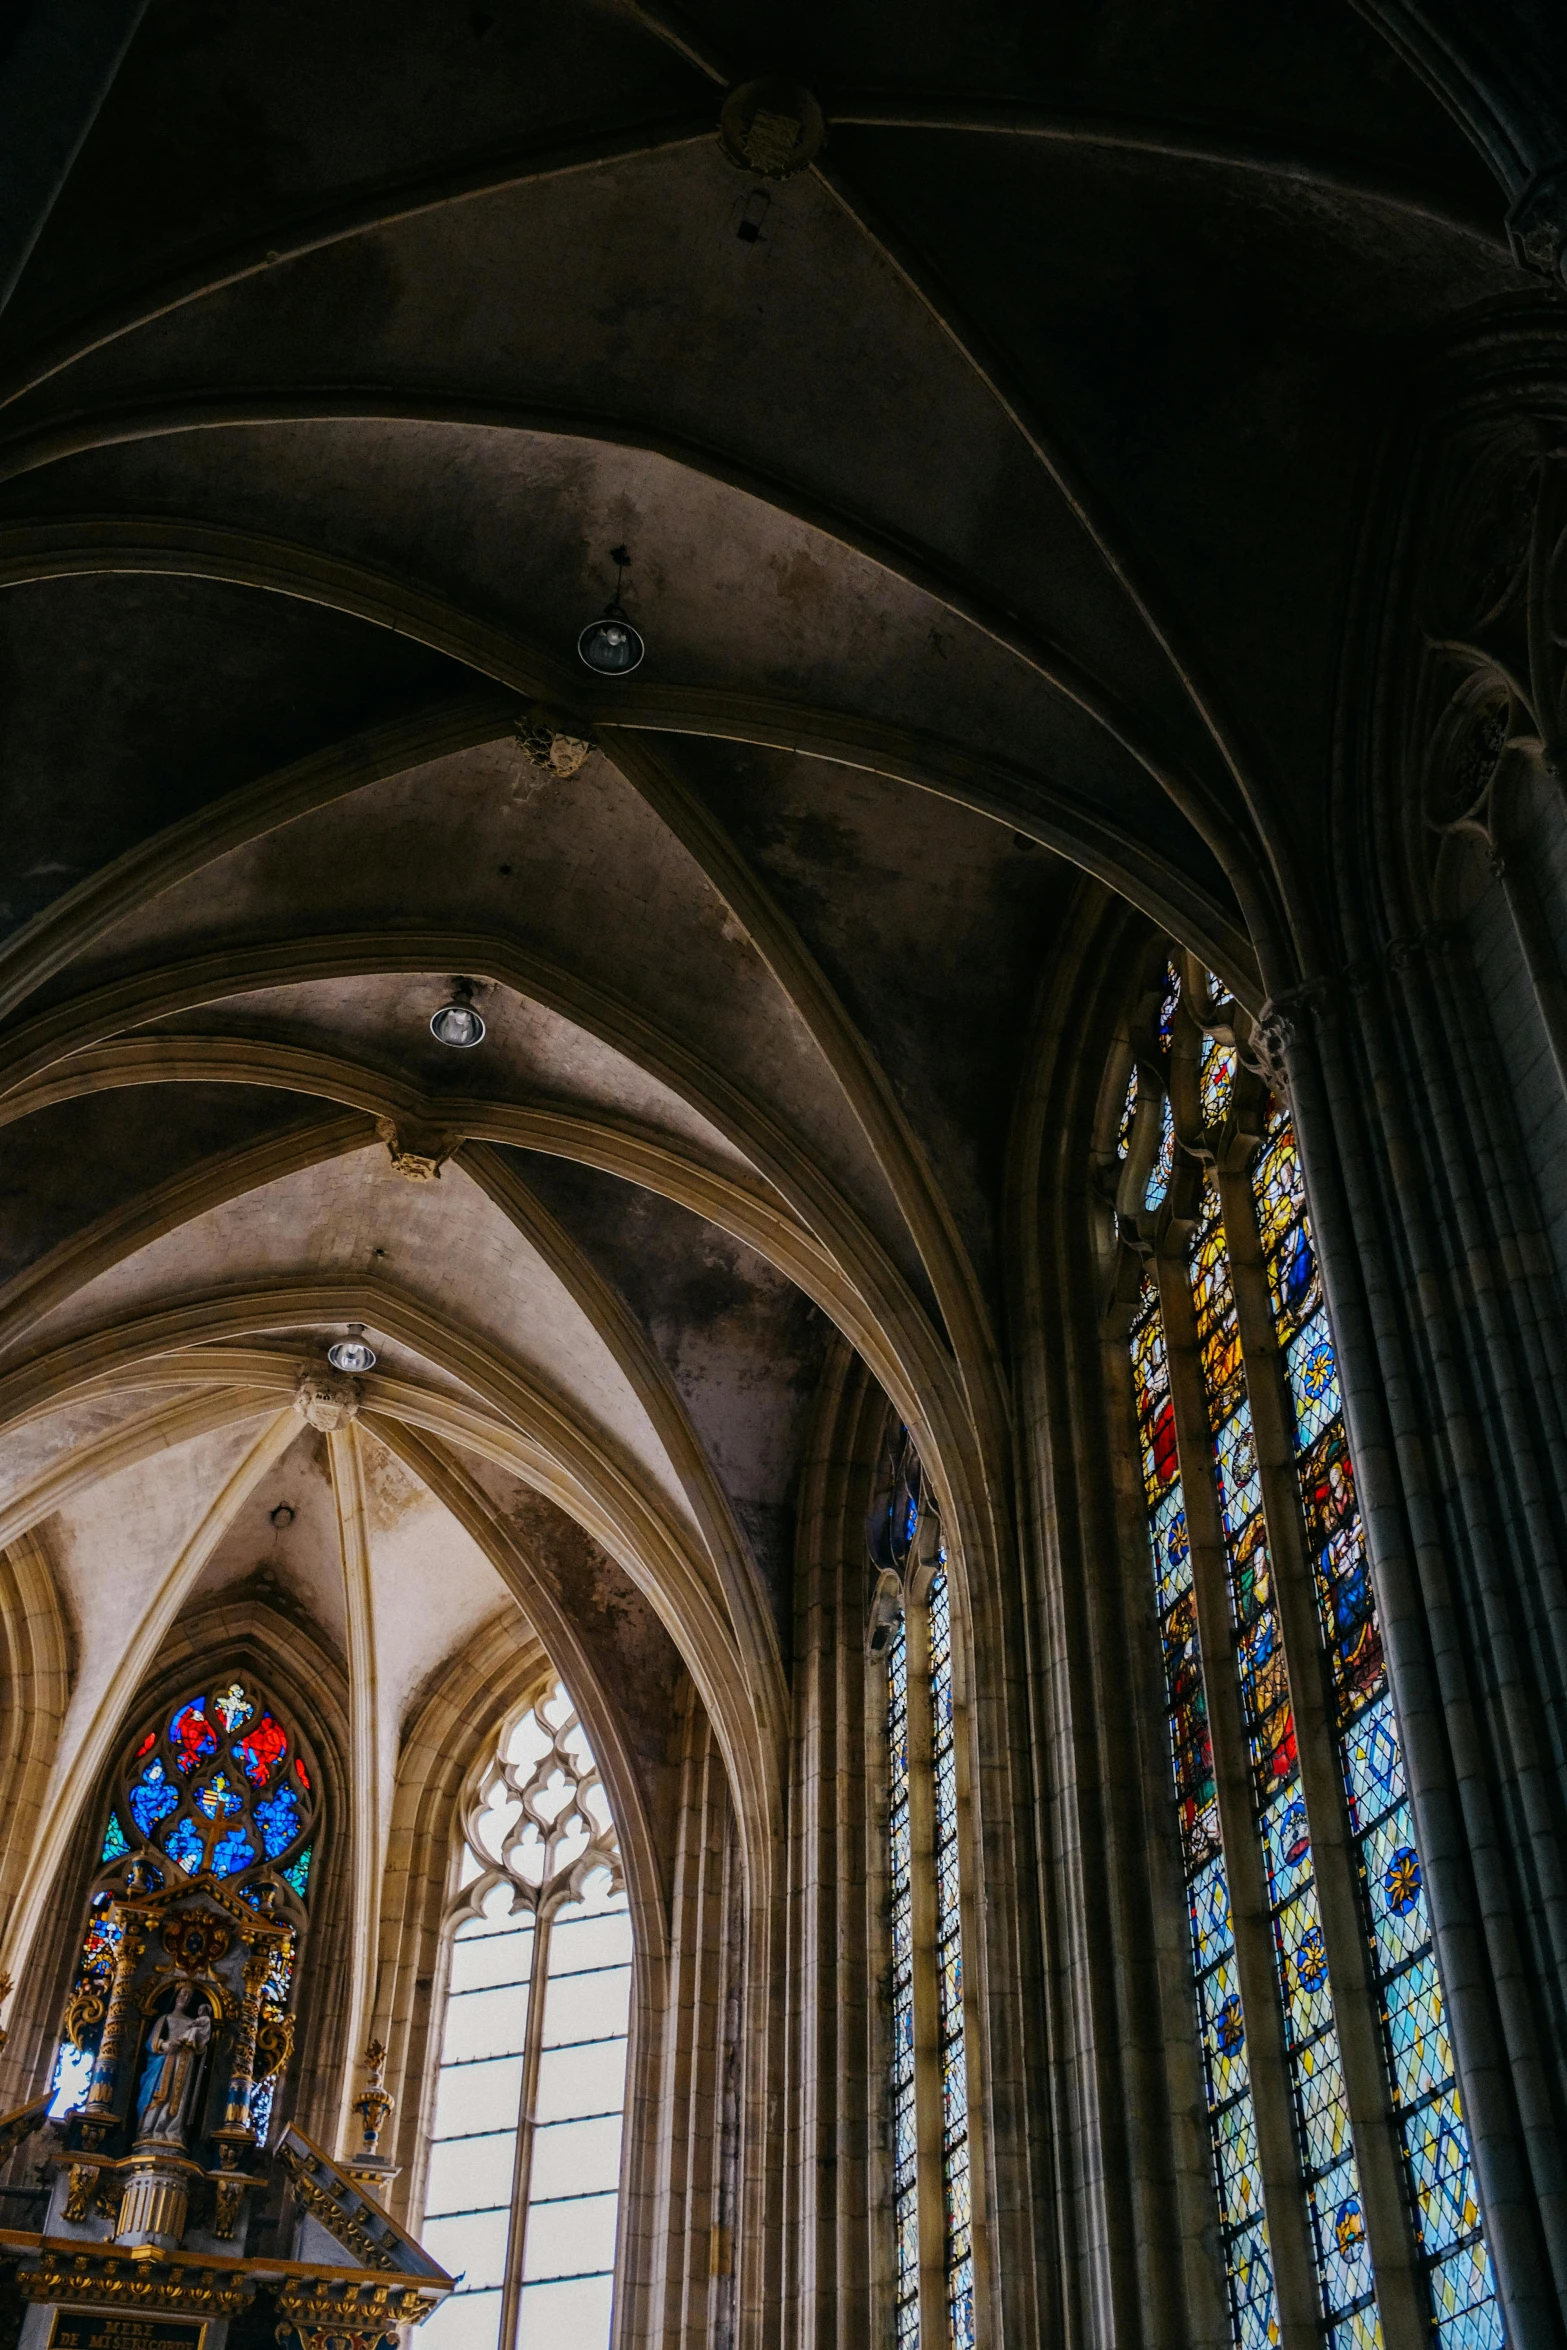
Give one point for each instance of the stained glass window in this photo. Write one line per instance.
(522, 2197)
(1248, 2261)
(1446, 2233)
(1433, 2139)
(195, 1795)
(926, 1987)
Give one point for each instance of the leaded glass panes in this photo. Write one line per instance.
(949, 1978)
(1328, 2168)
(1432, 2136)
(522, 2198)
(905, 2127)
(1297, 1364)
(926, 1983)
(1226, 2066)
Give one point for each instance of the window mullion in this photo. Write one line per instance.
(927, 2005)
(527, 2105)
(1388, 2232)
(1294, 2264)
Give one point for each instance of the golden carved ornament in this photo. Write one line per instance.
(228, 2195)
(195, 1940)
(84, 2010)
(351, 2309)
(125, 2283)
(274, 2046)
(79, 2197)
(324, 2206)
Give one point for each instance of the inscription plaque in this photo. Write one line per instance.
(123, 2329)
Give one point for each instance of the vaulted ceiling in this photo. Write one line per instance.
(990, 513)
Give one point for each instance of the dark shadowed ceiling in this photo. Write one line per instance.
(991, 512)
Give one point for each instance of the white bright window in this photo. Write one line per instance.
(521, 2202)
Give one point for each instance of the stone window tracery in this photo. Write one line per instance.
(521, 2201)
(1340, 2153)
(911, 1634)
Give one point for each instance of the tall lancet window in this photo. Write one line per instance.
(911, 1633)
(1341, 2159)
(524, 2178)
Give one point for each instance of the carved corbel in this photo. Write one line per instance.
(417, 1152)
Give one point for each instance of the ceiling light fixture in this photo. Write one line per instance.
(457, 1023)
(610, 646)
(352, 1353)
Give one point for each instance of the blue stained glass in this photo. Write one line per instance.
(114, 1844)
(153, 1797)
(183, 1844)
(233, 1852)
(297, 1873)
(220, 1797)
(1313, 1378)
(1417, 2031)
(1251, 2291)
(1373, 1765)
(1212, 1933)
(1463, 2294)
(278, 1818)
(1343, 2255)
(1164, 1161)
(1438, 2148)
(1415, 2039)
(1172, 1550)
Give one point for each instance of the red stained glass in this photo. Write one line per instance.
(147, 1744)
(262, 1750)
(192, 1736)
(304, 1775)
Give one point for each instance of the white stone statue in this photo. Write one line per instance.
(175, 2046)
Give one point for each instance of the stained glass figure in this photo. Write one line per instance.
(192, 1736)
(184, 1842)
(1433, 2138)
(1231, 2118)
(152, 1798)
(233, 1709)
(278, 1817)
(261, 1751)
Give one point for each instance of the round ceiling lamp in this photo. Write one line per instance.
(610, 646)
(458, 1023)
(772, 126)
(352, 1353)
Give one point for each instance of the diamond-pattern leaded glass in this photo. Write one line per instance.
(1226, 2071)
(1418, 2053)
